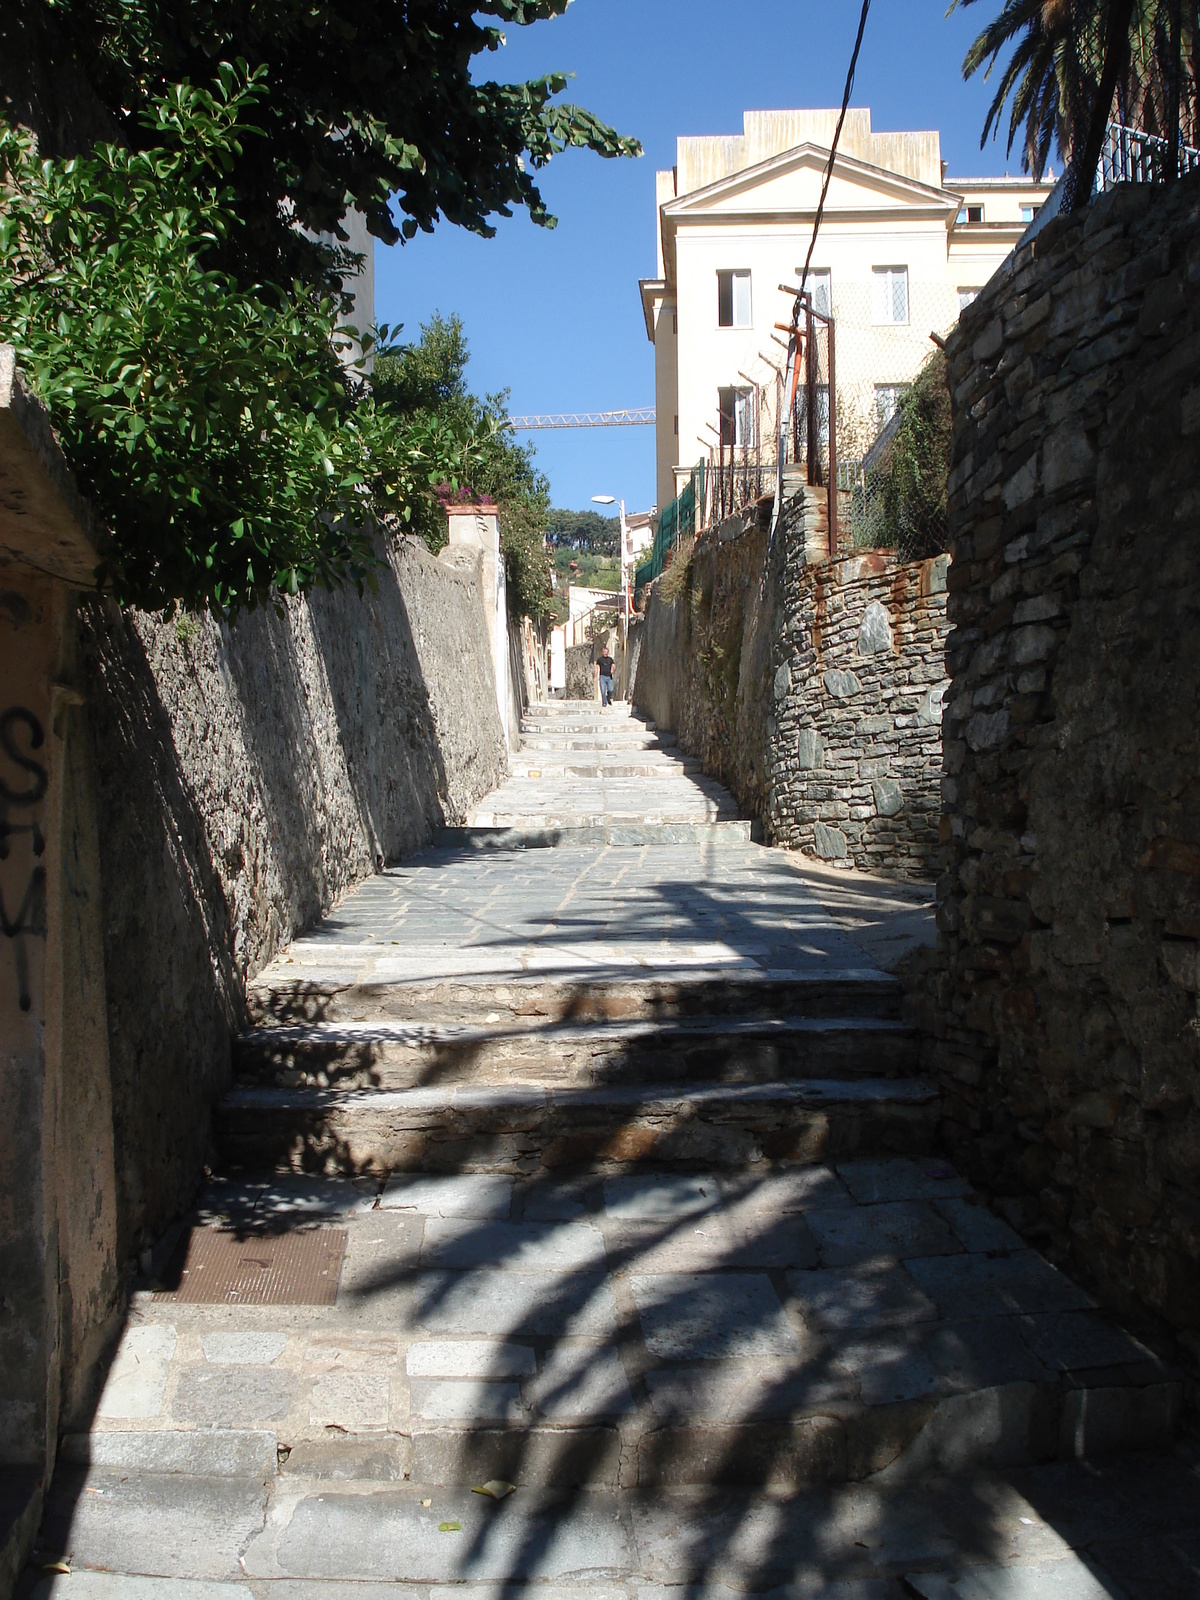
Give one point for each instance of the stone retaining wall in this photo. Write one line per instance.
(856, 750)
(706, 662)
(247, 778)
(812, 689)
(1066, 1013)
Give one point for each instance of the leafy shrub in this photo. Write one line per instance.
(427, 380)
(903, 504)
(211, 423)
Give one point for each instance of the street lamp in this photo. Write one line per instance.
(610, 500)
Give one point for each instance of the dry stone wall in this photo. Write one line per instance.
(812, 689)
(1066, 1012)
(247, 778)
(706, 662)
(856, 750)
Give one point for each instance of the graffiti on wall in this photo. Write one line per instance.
(23, 783)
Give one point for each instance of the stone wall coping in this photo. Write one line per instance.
(863, 565)
(45, 523)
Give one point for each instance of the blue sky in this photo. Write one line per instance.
(554, 316)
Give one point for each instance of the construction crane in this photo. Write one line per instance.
(637, 417)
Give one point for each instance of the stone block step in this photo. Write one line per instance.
(407, 1055)
(598, 727)
(569, 708)
(529, 1127)
(604, 995)
(529, 764)
(533, 832)
(565, 743)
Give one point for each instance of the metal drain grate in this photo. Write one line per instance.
(260, 1269)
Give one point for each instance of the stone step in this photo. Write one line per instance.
(532, 1127)
(533, 765)
(567, 742)
(598, 727)
(594, 996)
(536, 832)
(567, 708)
(773, 1329)
(401, 1055)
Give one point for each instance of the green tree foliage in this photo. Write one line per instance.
(1054, 54)
(162, 278)
(371, 101)
(904, 506)
(426, 381)
(588, 532)
(211, 423)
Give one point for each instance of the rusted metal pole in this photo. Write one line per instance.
(833, 487)
(813, 442)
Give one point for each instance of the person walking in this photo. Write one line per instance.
(605, 663)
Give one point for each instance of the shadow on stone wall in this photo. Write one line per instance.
(811, 689)
(174, 997)
(1063, 1019)
(245, 779)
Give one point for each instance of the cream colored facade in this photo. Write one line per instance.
(897, 236)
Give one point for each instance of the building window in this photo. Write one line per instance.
(733, 299)
(887, 398)
(889, 297)
(1028, 213)
(737, 417)
(677, 424)
(965, 296)
(674, 322)
(970, 214)
(820, 286)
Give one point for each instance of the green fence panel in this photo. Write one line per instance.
(675, 522)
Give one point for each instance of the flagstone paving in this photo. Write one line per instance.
(686, 1271)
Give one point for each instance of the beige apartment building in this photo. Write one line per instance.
(902, 248)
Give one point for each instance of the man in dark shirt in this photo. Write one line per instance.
(605, 663)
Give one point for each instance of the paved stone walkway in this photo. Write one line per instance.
(634, 1170)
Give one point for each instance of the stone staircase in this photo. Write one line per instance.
(629, 1157)
(602, 775)
(683, 1065)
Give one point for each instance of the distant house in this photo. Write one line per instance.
(639, 533)
(901, 249)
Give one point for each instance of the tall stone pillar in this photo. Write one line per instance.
(477, 527)
(59, 1283)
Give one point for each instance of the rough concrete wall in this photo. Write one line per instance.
(856, 754)
(1066, 1008)
(706, 663)
(813, 692)
(246, 779)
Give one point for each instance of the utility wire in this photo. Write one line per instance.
(837, 134)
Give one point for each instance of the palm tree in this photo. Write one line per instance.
(1077, 64)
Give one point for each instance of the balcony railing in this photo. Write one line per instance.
(1131, 156)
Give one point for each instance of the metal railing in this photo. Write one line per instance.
(736, 477)
(808, 416)
(1131, 156)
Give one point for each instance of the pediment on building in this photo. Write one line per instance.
(789, 185)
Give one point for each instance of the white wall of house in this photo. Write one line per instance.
(746, 204)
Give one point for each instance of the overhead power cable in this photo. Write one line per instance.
(837, 134)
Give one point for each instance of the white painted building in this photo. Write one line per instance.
(639, 533)
(901, 248)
